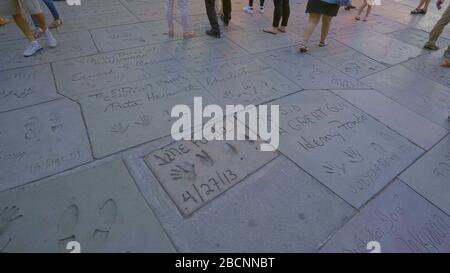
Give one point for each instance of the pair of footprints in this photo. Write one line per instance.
(68, 222)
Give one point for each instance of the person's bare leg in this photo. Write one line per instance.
(360, 11)
(326, 22)
(421, 3)
(22, 23)
(369, 8)
(40, 19)
(313, 20)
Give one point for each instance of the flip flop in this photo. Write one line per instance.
(322, 44)
(266, 30)
(415, 11)
(281, 30)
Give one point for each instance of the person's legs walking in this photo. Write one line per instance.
(437, 30)
(169, 17)
(313, 20)
(277, 13)
(184, 7)
(226, 6)
(326, 22)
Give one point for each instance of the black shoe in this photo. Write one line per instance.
(213, 33)
(225, 22)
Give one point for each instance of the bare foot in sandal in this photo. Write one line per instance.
(323, 44)
(303, 48)
(188, 35)
(282, 29)
(171, 33)
(55, 24)
(357, 18)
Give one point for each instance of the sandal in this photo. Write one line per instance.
(55, 24)
(171, 33)
(303, 48)
(431, 47)
(322, 44)
(422, 11)
(357, 18)
(415, 11)
(282, 29)
(188, 35)
(269, 30)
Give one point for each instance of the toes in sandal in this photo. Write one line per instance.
(55, 24)
(415, 11)
(323, 44)
(303, 48)
(357, 18)
(188, 35)
(282, 30)
(269, 30)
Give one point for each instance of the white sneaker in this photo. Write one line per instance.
(261, 9)
(248, 10)
(32, 48)
(51, 41)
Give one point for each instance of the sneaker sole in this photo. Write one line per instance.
(33, 53)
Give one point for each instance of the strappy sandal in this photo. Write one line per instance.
(322, 44)
(269, 30)
(188, 35)
(431, 47)
(415, 11)
(303, 48)
(55, 24)
(37, 33)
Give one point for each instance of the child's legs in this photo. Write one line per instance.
(313, 20)
(184, 7)
(169, 13)
(326, 21)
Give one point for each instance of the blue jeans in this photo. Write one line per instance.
(53, 10)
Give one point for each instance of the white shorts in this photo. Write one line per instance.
(13, 7)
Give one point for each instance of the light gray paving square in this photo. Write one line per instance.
(347, 60)
(400, 220)
(307, 71)
(244, 81)
(380, 47)
(129, 36)
(258, 41)
(41, 140)
(415, 92)
(416, 128)
(277, 209)
(77, 76)
(343, 147)
(129, 114)
(204, 50)
(416, 37)
(26, 86)
(10, 32)
(100, 208)
(69, 46)
(430, 176)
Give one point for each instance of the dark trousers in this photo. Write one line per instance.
(261, 3)
(281, 13)
(212, 16)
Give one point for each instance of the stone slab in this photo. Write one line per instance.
(416, 37)
(344, 148)
(258, 41)
(194, 173)
(415, 92)
(26, 86)
(400, 220)
(77, 76)
(380, 47)
(430, 175)
(41, 140)
(244, 81)
(416, 128)
(307, 71)
(69, 46)
(100, 208)
(124, 116)
(277, 209)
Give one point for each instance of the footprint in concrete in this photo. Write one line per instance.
(106, 217)
(66, 226)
